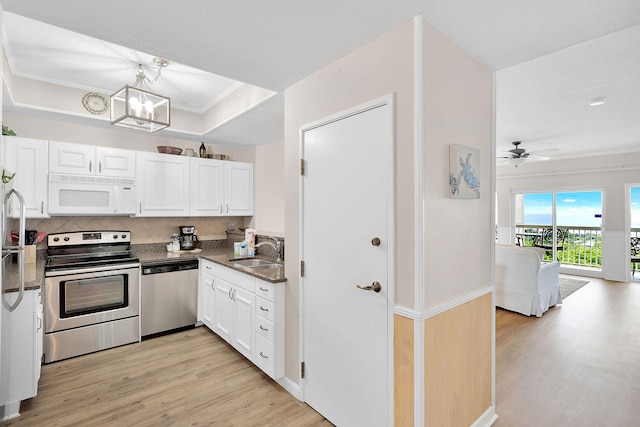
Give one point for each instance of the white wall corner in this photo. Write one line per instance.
(292, 387)
(487, 419)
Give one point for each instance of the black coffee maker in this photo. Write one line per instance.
(188, 239)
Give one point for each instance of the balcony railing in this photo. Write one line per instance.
(582, 247)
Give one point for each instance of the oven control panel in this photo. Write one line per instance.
(88, 238)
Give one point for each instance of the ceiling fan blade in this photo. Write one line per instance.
(545, 151)
(535, 158)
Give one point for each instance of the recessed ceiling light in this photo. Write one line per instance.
(594, 102)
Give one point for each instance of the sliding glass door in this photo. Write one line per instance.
(566, 223)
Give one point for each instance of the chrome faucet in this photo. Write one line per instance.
(277, 247)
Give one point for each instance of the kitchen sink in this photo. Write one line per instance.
(255, 263)
(265, 266)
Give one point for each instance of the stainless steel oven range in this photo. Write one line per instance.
(91, 293)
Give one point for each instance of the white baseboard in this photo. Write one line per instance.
(487, 419)
(291, 387)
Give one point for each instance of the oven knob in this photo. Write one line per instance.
(115, 236)
(66, 239)
(56, 239)
(124, 236)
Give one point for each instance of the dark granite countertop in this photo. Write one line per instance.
(33, 275)
(220, 255)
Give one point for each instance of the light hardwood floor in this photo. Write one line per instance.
(577, 365)
(190, 378)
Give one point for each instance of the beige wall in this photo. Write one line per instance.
(457, 110)
(269, 189)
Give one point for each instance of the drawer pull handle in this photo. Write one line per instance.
(264, 329)
(264, 289)
(263, 309)
(266, 357)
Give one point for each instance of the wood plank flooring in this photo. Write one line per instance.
(577, 365)
(190, 378)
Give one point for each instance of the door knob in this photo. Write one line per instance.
(375, 287)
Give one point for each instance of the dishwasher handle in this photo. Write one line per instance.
(169, 267)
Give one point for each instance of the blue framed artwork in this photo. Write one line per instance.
(464, 171)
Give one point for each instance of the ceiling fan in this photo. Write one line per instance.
(516, 156)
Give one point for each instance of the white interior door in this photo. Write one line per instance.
(345, 202)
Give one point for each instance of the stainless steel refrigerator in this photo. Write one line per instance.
(11, 301)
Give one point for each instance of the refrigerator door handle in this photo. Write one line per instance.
(6, 250)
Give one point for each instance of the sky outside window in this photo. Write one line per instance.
(574, 208)
(635, 207)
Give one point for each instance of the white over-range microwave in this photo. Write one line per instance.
(93, 195)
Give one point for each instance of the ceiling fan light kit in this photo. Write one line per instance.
(136, 107)
(594, 102)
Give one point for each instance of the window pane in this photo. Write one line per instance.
(538, 208)
(579, 209)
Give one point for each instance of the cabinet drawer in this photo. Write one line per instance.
(265, 328)
(265, 309)
(266, 290)
(241, 280)
(265, 356)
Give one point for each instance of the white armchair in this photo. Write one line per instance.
(523, 283)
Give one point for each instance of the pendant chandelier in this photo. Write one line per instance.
(137, 107)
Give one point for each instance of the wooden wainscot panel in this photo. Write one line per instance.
(403, 371)
(458, 364)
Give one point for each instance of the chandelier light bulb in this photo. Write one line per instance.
(148, 106)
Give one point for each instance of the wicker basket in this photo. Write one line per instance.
(167, 149)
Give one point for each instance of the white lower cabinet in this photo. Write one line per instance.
(21, 361)
(246, 312)
(205, 294)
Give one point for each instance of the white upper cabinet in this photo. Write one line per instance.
(28, 159)
(66, 157)
(221, 188)
(163, 184)
(206, 187)
(238, 188)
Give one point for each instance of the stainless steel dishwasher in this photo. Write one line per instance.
(169, 295)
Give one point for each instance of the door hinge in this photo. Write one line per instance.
(301, 268)
(302, 167)
(301, 369)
